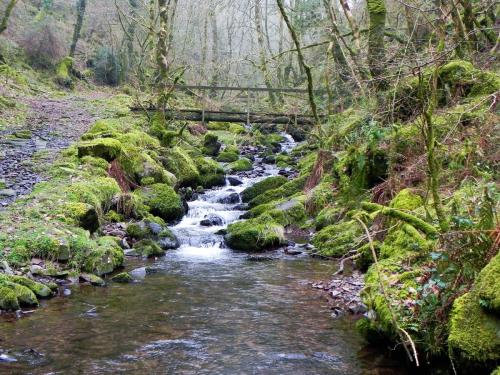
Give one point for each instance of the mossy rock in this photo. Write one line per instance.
(284, 191)
(85, 215)
(23, 294)
(122, 278)
(95, 162)
(147, 248)
(64, 72)
(402, 240)
(474, 333)
(406, 200)
(138, 231)
(287, 212)
(211, 173)
(139, 166)
(254, 235)
(338, 239)
(40, 290)
(228, 156)
(211, 145)
(487, 285)
(104, 258)
(262, 186)
(240, 165)
(8, 299)
(178, 162)
(106, 148)
(319, 197)
(163, 202)
(327, 216)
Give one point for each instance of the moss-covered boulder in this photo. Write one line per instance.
(163, 202)
(106, 148)
(487, 285)
(211, 173)
(227, 157)
(8, 299)
(284, 212)
(319, 197)
(141, 167)
(40, 290)
(122, 278)
(23, 294)
(257, 234)
(262, 186)
(105, 257)
(338, 239)
(84, 214)
(182, 166)
(407, 200)
(284, 191)
(64, 70)
(147, 248)
(211, 145)
(474, 333)
(240, 165)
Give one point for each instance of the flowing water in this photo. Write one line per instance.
(201, 309)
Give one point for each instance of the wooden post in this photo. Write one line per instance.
(248, 107)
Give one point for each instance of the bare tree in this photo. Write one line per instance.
(80, 14)
(6, 16)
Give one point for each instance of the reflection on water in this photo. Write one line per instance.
(202, 309)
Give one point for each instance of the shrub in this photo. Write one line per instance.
(42, 43)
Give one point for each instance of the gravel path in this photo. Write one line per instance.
(51, 125)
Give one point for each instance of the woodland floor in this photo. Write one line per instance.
(52, 124)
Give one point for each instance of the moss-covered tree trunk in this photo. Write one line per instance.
(262, 52)
(134, 5)
(376, 46)
(6, 16)
(80, 14)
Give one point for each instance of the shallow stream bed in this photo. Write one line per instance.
(201, 309)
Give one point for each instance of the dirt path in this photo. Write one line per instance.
(51, 125)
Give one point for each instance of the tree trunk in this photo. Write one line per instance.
(262, 52)
(307, 68)
(376, 46)
(215, 52)
(352, 23)
(134, 5)
(6, 16)
(80, 14)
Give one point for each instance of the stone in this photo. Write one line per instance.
(123, 278)
(92, 279)
(233, 181)
(8, 193)
(212, 220)
(232, 198)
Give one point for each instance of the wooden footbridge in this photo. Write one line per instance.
(248, 117)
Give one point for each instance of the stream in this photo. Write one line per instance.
(201, 309)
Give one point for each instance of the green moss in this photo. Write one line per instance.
(218, 125)
(8, 299)
(123, 278)
(95, 162)
(39, 289)
(284, 191)
(228, 156)
(319, 197)
(211, 173)
(182, 166)
(487, 285)
(211, 145)
(113, 217)
(163, 202)
(404, 239)
(106, 148)
(327, 216)
(138, 165)
(23, 134)
(148, 248)
(262, 186)
(474, 333)
(257, 234)
(240, 165)
(104, 258)
(137, 231)
(84, 215)
(407, 200)
(338, 239)
(24, 295)
(63, 72)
